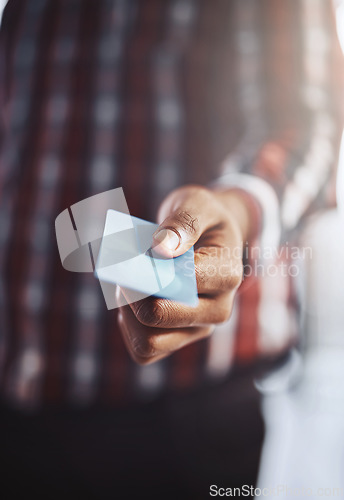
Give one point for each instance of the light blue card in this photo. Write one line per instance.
(125, 259)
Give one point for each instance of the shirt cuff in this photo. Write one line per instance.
(267, 199)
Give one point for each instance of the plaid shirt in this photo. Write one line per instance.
(150, 95)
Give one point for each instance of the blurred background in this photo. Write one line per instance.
(100, 409)
(304, 405)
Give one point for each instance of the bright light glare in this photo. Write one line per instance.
(2, 6)
(340, 178)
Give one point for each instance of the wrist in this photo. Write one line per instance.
(241, 206)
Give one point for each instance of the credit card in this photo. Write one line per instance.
(125, 258)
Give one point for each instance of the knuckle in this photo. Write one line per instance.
(151, 313)
(230, 275)
(222, 317)
(201, 276)
(226, 275)
(236, 276)
(141, 361)
(187, 222)
(142, 349)
(224, 313)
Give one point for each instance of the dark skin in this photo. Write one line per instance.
(217, 223)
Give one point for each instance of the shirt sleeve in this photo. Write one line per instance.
(290, 169)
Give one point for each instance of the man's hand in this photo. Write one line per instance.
(216, 223)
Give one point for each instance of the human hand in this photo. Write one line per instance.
(216, 223)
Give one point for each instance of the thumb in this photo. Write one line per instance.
(188, 217)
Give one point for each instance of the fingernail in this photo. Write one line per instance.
(167, 239)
